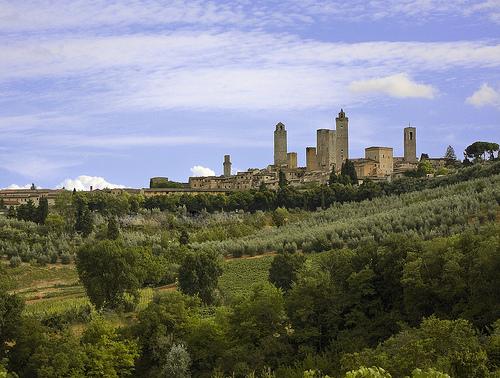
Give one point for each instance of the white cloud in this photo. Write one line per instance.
(484, 96)
(199, 170)
(85, 182)
(15, 186)
(399, 86)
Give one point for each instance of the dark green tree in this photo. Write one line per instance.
(27, 212)
(84, 220)
(42, 211)
(12, 212)
(282, 181)
(478, 150)
(199, 275)
(333, 179)
(184, 238)
(349, 171)
(110, 273)
(11, 308)
(284, 269)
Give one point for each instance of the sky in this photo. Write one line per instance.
(111, 93)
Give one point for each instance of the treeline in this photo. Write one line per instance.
(401, 304)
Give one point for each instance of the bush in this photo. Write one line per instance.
(66, 258)
(15, 261)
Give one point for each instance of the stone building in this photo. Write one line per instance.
(378, 163)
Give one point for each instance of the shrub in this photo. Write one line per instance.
(15, 261)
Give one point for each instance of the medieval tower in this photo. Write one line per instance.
(342, 128)
(410, 144)
(325, 149)
(280, 148)
(227, 165)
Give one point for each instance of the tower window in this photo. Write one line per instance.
(411, 135)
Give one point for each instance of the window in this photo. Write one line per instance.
(411, 135)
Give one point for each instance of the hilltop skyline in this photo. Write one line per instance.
(128, 90)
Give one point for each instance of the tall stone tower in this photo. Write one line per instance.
(410, 144)
(280, 148)
(227, 165)
(311, 162)
(325, 148)
(342, 128)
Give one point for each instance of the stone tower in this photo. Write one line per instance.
(280, 149)
(325, 142)
(311, 162)
(291, 160)
(342, 126)
(227, 165)
(410, 144)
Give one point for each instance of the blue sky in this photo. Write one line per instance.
(121, 91)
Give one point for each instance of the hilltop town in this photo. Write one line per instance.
(330, 153)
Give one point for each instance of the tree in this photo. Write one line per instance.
(348, 170)
(451, 346)
(177, 362)
(84, 222)
(107, 355)
(258, 327)
(184, 238)
(42, 211)
(27, 212)
(110, 273)
(333, 177)
(12, 212)
(280, 216)
(450, 153)
(11, 308)
(113, 229)
(284, 269)
(425, 168)
(282, 182)
(477, 150)
(33, 186)
(160, 325)
(199, 274)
